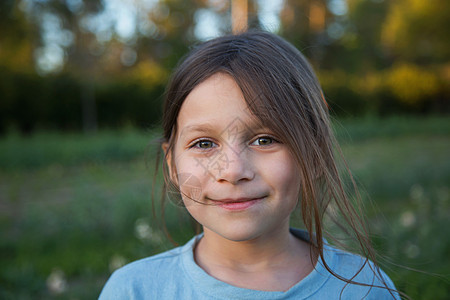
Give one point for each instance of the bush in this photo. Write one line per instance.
(30, 102)
(399, 89)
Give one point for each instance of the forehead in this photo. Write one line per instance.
(219, 89)
(214, 103)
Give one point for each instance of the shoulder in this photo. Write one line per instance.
(369, 280)
(159, 263)
(143, 276)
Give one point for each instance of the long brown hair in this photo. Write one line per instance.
(282, 91)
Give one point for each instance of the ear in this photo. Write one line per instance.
(170, 165)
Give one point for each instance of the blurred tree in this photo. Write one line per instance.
(172, 32)
(88, 38)
(417, 31)
(60, 32)
(17, 37)
(239, 16)
(103, 44)
(303, 23)
(63, 44)
(362, 51)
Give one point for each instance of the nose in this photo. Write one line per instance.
(237, 166)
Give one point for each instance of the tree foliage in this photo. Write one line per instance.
(417, 31)
(371, 55)
(17, 37)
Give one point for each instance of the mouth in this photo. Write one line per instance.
(237, 204)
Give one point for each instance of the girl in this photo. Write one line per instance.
(247, 141)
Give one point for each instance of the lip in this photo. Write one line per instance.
(238, 204)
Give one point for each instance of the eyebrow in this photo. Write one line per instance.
(208, 127)
(202, 127)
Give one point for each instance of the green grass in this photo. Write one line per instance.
(71, 149)
(74, 207)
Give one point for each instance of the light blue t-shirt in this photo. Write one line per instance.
(175, 275)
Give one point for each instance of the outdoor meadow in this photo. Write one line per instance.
(80, 114)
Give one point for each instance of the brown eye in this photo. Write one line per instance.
(263, 141)
(205, 144)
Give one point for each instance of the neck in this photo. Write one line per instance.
(260, 252)
(274, 262)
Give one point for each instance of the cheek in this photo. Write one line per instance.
(190, 187)
(286, 178)
(190, 177)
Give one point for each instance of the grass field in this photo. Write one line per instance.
(75, 207)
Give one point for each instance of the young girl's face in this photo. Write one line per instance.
(235, 177)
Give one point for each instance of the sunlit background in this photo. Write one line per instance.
(81, 88)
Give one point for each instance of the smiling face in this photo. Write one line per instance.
(235, 177)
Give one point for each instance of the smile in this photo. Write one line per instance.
(237, 204)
